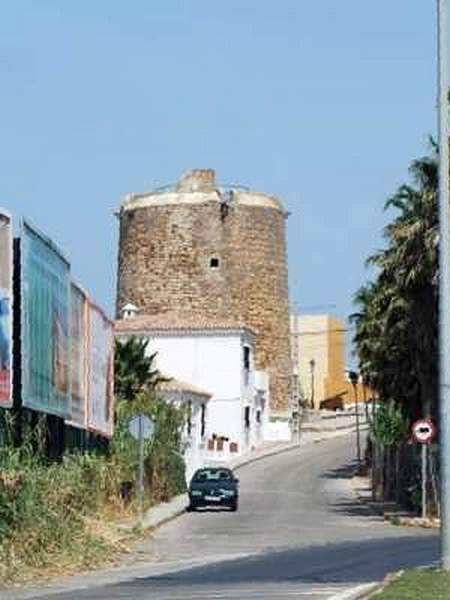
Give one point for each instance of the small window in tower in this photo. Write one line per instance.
(214, 263)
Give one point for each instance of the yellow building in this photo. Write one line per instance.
(318, 355)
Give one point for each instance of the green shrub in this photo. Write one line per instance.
(164, 464)
(42, 511)
(389, 426)
(50, 512)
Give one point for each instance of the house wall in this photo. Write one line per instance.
(194, 443)
(310, 332)
(215, 364)
(320, 338)
(336, 384)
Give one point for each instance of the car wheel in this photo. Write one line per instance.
(234, 507)
(190, 508)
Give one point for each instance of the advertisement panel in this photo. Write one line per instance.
(78, 356)
(6, 295)
(100, 372)
(45, 314)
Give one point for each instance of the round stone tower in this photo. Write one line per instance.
(217, 252)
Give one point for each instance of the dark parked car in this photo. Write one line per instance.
(214, 486)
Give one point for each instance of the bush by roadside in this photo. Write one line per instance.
(59, 517)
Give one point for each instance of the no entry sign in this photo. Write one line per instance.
(423, 431)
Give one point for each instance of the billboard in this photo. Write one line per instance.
(45, 316)
(6, 295)
(100, 371)
(78, 356)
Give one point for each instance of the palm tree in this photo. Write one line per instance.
(396, 326)
(134, 370)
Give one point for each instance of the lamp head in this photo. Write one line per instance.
(352, 377)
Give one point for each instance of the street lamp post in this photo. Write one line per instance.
(364, 391)
(444, 282)
(353, 377)
(312, 364)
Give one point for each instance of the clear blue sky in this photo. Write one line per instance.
(322, 102)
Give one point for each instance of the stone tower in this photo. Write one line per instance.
(202, 249)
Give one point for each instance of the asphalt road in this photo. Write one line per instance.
(300, 533)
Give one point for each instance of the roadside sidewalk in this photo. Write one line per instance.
(390, 511)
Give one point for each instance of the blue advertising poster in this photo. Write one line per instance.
(45, 314)
(6, 292)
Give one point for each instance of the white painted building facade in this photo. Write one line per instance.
(218, 358)
(195, 403)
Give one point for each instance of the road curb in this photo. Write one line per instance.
(179, 507)
(390, 578)
(369, 591)
(360, 592)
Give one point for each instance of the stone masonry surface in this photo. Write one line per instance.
(191, 253)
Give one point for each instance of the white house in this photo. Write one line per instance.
(195, 401)
(217, 357)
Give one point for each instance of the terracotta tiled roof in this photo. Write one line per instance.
(175, 385)
(144, 323)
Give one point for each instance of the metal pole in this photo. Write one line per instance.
(366, 406)
(358, 441)
(424, 481)
(444, 283)
(312, 364)
(141, 471)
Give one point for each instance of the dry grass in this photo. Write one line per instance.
(63, 517)
(57, 520)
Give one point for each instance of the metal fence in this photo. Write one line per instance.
(396, 474)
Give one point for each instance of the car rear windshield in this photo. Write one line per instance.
(213, 475)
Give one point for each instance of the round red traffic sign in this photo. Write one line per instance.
(423, 431)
